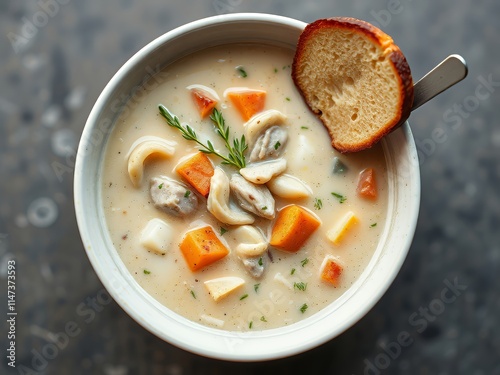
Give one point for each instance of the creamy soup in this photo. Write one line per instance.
(270, 285)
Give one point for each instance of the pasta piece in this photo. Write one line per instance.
(251, 242)
(218, 201)
(141, 150)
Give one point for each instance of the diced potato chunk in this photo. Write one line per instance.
(338, 231)
(222, 286)
(157, 236)
(331, 270)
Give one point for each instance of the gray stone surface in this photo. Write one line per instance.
(48, 83)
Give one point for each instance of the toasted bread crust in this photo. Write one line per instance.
(392, 53)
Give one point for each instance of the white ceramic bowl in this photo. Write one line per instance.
(404, 200)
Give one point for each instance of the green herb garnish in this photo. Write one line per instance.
(187, 193)
(261, 262)
(292, 271)
(146, 272)
(250, 324)
(304, 261)
(300, 286)
(277, 145)
(340, 197)
(243, 297)
(236, 155)
(222, 231)
(373, 225)
(242, 71)
(303, 308)
(304, 127)
(318, 203)
(263, 318)
(264, 208)
(160, 186)
(192, 293)
(288, 99)
(256, 286)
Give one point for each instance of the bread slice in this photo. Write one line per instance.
(353, 76)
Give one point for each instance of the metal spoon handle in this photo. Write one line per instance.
(449, 72)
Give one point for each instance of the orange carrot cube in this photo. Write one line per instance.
(367, 184)
(249, 102)
(203, 101)
(202, 247)
(197, 171)
(331, 270)
(293, 226)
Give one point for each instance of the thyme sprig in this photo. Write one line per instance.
(237, 151)
(236, 156)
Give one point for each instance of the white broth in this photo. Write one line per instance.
(278, 297)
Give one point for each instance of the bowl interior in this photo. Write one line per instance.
(404, 198)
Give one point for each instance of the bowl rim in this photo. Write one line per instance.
(118, 288)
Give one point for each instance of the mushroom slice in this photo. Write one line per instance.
(172, 197)
(218, 201)
(222, 286)
(253, 198)
(286, 186)
(251, 246)
(251, 242)
(141, 150)
(259, 123)
(269, 144)
(254, 266)
(260, 173)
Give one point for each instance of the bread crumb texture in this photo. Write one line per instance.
(354, 78)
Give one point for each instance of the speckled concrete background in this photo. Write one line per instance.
(57, 55)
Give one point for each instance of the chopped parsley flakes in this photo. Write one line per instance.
(146, 272)
(243, 297)
(340, 197)
(160, 186)
(300, 286)
(241, 70)
(303, 262)
(303, 308)
(318, 203)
